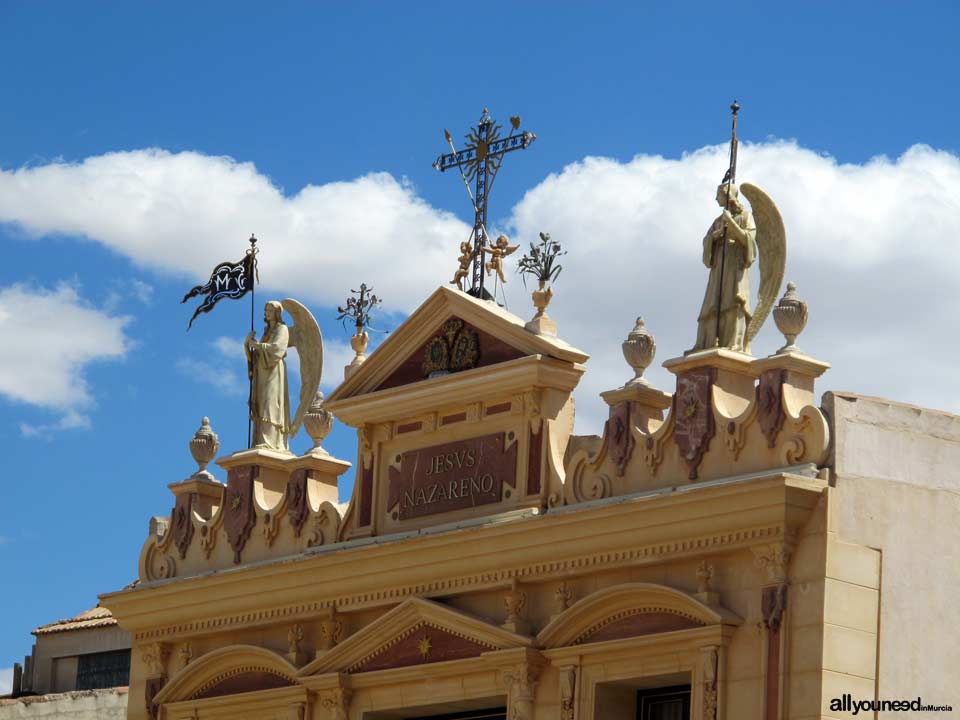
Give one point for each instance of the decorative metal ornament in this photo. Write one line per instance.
(479, 162)
(455, 348)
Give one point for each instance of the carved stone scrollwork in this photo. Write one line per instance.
(774, 558)
(298, 508)
(185, 655)
(515, 601)
(709, 660)
(155, 656)
(181, 523)
(568, 691)
(693, 424)
(770, 413)
(295, 653)
(620, 436)
(322, 529)
(591, 486)
(653, 446)
(336, 702)
(521, 683)
(331, 631)
(239, 514)
(773, 606)
(531, 406)
(562, 597)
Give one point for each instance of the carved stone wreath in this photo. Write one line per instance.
(455, 348)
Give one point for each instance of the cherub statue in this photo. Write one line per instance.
(497, 253)
(466, 257)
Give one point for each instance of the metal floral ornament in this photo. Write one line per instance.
(541, 262)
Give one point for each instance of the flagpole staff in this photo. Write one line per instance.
(253, 291)
(729, 178)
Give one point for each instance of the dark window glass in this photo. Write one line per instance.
(491, 714)
(671, 703)
(103, 670)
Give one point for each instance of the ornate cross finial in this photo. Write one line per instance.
(479, 162)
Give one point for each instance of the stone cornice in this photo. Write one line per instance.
(719, 518)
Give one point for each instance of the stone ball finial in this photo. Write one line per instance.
(204, 446)
(790, 315)
(318, 422)
(639, 349)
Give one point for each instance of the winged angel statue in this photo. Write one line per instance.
(729, 249)
(269, 395)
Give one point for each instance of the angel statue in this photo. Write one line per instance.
(466, 257)
(497, 253)
(266, 360)
(730, 247)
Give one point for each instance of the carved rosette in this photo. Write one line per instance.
(693, 425)
(638, 350)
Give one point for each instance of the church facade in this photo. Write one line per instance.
(734, 548)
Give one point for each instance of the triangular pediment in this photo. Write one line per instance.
(415, 632)
(451, 332)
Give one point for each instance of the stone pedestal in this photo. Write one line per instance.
(207, 493)
(734, 376)
(799, 372)
(274, 470)
(647, 404)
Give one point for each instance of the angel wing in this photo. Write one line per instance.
(306, 338)
(510, 250)
(772, 244)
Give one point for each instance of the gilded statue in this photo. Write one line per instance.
(734, 241)
(266, 359)
(497, 252)
(466, 257)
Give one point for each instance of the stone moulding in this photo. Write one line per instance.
(710, 432)
(254, 521)
(589, 542)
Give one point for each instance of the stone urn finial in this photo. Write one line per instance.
(790, 315)
(203, 447)
(359, 344)
(638, 350)
(318, 422)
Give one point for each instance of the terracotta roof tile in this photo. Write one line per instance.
(92, 618)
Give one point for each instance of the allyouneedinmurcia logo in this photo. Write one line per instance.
(846, 703)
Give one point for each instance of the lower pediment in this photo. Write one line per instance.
(416, 632)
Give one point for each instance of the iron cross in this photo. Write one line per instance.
(480, 161)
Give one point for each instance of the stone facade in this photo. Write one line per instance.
(732, 538)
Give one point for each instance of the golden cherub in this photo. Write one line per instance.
(498, 252)
(466, 257)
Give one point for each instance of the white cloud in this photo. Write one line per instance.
(185, 212)
(872, 247)
(6, 680)
(57, 335)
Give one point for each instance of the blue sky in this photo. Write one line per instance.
(141, 143)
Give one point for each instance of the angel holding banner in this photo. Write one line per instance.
(269, 395)
(732, 244)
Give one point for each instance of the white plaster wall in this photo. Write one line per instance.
(109, 704)
(898, 489)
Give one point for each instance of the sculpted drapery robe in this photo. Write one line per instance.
(734, 292)
(271, 404)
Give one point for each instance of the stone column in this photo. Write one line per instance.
(568, 692)
(775, 559)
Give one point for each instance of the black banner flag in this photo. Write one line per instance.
(228, 280)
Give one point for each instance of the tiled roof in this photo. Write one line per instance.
(92, 618)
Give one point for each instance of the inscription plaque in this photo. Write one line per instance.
(452, 476)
